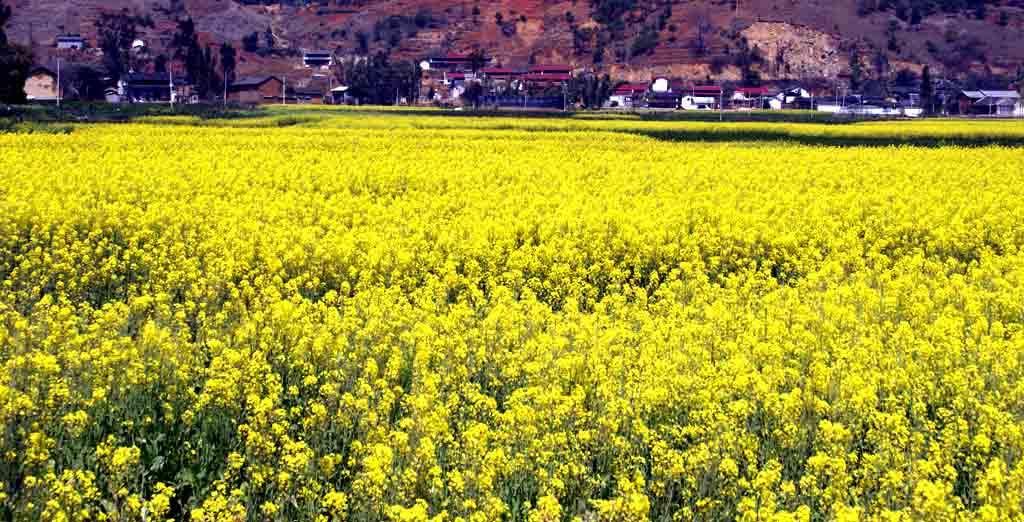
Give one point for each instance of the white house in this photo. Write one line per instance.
(698, 103)
(626, 95)
(661, 85)
(70, 41)
(788, 98)
(990, 102)
(317, 59)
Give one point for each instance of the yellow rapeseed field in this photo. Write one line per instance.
(335, 315)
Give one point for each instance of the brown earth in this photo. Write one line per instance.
(795, 38)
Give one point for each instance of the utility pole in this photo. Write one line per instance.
(284, 89)
(170, 83)
(721, 105)
(58, 84)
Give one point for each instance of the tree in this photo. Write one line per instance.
(228, 62)
(83, 82)
(160, 64)
(116, 32)
(856, 71)
(927, 90)
(5, 15)
(251, 42)
(15, 63)
(207, 84)
(474, 91)
(645, 42)
(700, 43)
(378, 81)
(477, 60)
(590, 90)
(268, 36)
(200, 64)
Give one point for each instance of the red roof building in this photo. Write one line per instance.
(551, 69)
(706, 90)
(547, 77)
(498, 72)
(630, 88)
(752, 91)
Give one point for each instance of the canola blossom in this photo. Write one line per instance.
(339, 315)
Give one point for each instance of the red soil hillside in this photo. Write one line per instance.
(780, 38)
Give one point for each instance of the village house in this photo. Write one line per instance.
(499, 73)
(748, 97)
(455, 62)
(627, 95)
(836, 104)
(256, 89)
(41, 85)
(70, 41)
(548, 75)
(456, 79)
(701, 97)
(341, 96)
(663, 94)
(500, 78)
(317, 59)
(989, 103)
(792, 98)
(153, 88)
(309, 95)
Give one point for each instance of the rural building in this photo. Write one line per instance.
(661, 85)
(256, 89)
(701, 97)
(340, 96)
(836, 104)
(454, 79)
(317, 59)
(749, 96)
(70, 41)
(546, 80)
(307, 95)
(662, 100)
(555, 70)
(791, 98)
(455, 62)
(548, 75)
(627, 95)
(989, 102)
(698, 103)
(143, 87)
(41, 85)
(499, 73)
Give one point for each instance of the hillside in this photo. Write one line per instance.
(633, 39)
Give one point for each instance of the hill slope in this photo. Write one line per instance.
(632, 38)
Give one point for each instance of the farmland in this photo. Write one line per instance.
(396, 316)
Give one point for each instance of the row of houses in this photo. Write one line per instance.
(41, 86)
(448, 76)
(663, 93)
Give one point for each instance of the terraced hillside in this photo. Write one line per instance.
(634, 38)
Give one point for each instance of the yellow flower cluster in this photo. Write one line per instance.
(345, 315)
